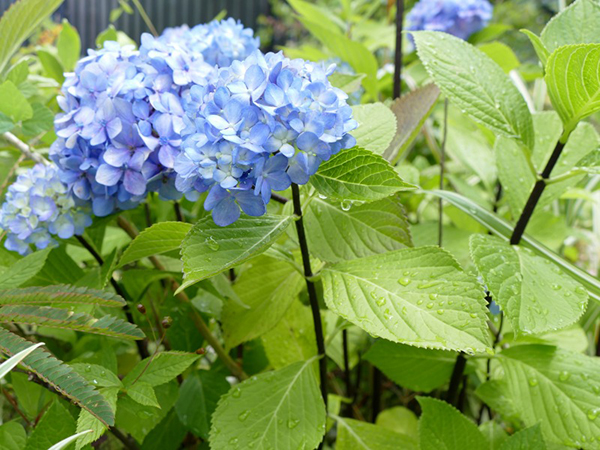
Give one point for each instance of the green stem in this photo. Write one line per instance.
(145, 17)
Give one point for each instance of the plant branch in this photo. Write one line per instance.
(126, 440)
(398, 51)
(145, 17)
(140, 344)
(279, 198)
(312, 291)
(24, 148)
(15, 405)
(457, 375)
(536, 194)
(199, 323)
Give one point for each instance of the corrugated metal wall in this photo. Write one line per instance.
(90, 17)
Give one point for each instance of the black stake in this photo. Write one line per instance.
(457, 375)
(398, 52)
(312, 292)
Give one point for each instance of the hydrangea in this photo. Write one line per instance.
(220, 43)
(120, 132)
(256, 127)
(460, 18)
(38, 206)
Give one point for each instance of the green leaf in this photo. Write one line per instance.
(266, 302)
(590, 163)
(110, 34)
(51, 66)
(198, 399)
(357, 174)
(15, 360)
(60, 376)
(160, 369)
(476, 84)
(24, 269)
(55, 425)
(236, 243)
(41, 121)
(86, 421)
(159, 238)
(418, 369)
(14, 104)
(97, 375)
(534, 293)
(494, 433)
(62, 294)
(501, 54)
(19, 22)
(576, 24)
(13, 436)
(63, 318)
(346, 82)
(357, 435)
(556, 388)
(280, 409)
(143, 393)
(443, 427)
(68, 46)
(573, 85)
(19, 72)
(499, 227)
(527, 439)
(292, 339)
(323, 15)
(6, 124)
(411, 111)
(376, 126)
(418, 296)
(335, 234)
(399, 419)
(538, 45)
(167, 435)
(354, 53)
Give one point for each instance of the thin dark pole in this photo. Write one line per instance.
(312, 292)
(457, 374)
(376, 396)
(398, 52)
(536, 194)
(142, 350)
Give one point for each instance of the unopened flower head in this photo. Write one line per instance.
(256, 127)
(460, 18)
(38, 207)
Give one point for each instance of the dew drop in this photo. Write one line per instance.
(211, 243)
(433, 296)
(236, 392)
(564, 375)
(440, 311)
(243, 415)
(533, 382)
(293, 423)
(404, 281)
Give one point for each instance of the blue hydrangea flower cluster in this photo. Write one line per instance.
(121, 128)
(460, 18)
(257, 126)
(38, 206)
(220, 43)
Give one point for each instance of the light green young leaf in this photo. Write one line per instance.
(236, 243)
(13, 436)
(417, 296)
(143, 393)
(266, 302)
(538, 45)
(58, 375)
(418, 369)
(358, 174)
(24, 269)
(347, 83)
(573, 84)
(354, 53)
(41, 121)
(555, 388)
(280, 409)
(19, 22)
(399, 419)
(51, 66)
(411, 111)
(501, 54)
(323, 16)
(500, 227)
(159, 238)
(68, 46)
(6, 124)
(494, 434)
(590, 163)
(376, 126)
(97, 375)
(292, 339)
(534, 293)
(335, 234)
(527, 439)
(198, 400)
(14, 104)
(357, 435)
(576, 24)
(476, 84)
(160, 369)
(55, 425)
(443, 427)
(19, 72)
(13, 361)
